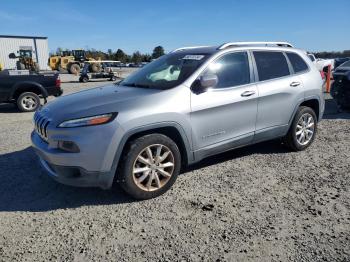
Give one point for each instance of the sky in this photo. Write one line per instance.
(143, 24)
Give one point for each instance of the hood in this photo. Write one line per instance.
(94, 101)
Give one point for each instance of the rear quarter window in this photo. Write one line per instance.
(297, 62)
(271, 65)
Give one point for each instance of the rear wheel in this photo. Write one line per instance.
(150, 166)
(303, 129)
(28, 102)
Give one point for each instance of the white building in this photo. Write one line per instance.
(13, 44)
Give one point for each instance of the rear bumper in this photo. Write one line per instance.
(54, 91)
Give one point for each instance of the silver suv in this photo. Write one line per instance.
(190, 104)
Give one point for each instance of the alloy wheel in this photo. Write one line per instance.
(153, 167)
(305, 129)
(28, 102)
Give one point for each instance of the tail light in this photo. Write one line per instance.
(58, 82)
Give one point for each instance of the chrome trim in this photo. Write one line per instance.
(40, 125)
(225, 45)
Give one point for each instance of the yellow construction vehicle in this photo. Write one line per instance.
(25, 60)
(72, 61)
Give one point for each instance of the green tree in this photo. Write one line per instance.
(158, 51)
(146, 58)
(120, 56)
(136, 57)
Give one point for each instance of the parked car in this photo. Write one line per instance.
(339, 61)
(25, 89)
(340, 89)
(321, 64)
(185, 106)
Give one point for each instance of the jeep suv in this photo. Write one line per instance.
(190, 104)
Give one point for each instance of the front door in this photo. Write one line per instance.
(224, 116)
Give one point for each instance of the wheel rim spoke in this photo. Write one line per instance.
(156, 178)
(164, 173)
(143, 177)
(143, 160)
(141, 169)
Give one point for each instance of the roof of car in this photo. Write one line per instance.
(234, 45)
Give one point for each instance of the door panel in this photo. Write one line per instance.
(223, 114)
(277, 101)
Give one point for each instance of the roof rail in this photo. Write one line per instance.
(187, 47)
(285, 44)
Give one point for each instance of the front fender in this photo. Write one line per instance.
(144, 128)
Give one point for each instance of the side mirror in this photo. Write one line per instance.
(12, 56)
(208, 81)
(204, 82)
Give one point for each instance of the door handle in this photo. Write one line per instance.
(294, 84)
(248, 93)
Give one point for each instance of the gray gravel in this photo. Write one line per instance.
(260, 203)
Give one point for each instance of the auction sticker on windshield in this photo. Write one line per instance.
(193, 57)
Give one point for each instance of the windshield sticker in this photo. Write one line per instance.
(193, 57)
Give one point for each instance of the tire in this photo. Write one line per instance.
(84, 79)
(113, 78)
(28, 102)
(95, 68)
(302, 125)
(136, 184)
(74, 69)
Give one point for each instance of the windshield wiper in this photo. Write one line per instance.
(136, 85)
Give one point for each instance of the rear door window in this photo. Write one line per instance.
(271, 65)
(297, 62)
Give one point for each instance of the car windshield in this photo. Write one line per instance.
(167, 71)
(346, 64)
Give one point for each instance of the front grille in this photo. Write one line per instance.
(40, 124)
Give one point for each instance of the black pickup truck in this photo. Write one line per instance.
(25, 89)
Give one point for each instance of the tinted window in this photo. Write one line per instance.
(311, 57)
(297, 62)
(231, 70)
(271, 65)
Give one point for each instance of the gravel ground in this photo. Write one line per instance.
(260, 203)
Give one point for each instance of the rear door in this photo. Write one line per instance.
(279, 93)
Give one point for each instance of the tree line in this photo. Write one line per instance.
(119, 55)
(324, 54)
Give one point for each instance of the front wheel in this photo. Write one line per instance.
(303, 129)
(150, 166)
(28, 102)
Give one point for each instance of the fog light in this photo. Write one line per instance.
(68, 146)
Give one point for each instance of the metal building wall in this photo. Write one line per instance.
(12, 45)
(43, 53)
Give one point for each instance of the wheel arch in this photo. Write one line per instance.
(22, 87)
(171, 129)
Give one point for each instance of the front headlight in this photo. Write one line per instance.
(89, 121)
